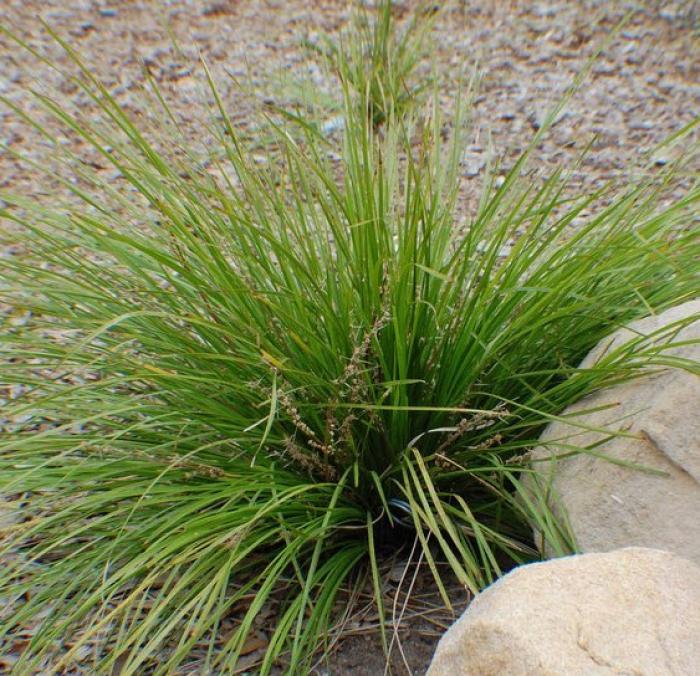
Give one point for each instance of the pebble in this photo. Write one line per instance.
(333, 125)
(641, 124)
(20, 320)
(473, 163)
(17, 390)
(605, 68)
(544, 10)
(537, 117)
(671, 12)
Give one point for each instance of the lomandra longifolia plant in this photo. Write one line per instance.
(250, 386)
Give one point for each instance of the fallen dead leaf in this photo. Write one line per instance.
(253, 643)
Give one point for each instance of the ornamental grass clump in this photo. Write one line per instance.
(377, 61)
(251, 386)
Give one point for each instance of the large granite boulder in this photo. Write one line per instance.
(615, 505)
(634, 611)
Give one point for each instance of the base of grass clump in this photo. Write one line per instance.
(270, 383)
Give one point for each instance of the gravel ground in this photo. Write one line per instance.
(644, 86)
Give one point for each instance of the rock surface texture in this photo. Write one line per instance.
(609, 505)
(634, 611)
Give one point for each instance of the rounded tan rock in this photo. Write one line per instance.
(649, 495)
(632, 612)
